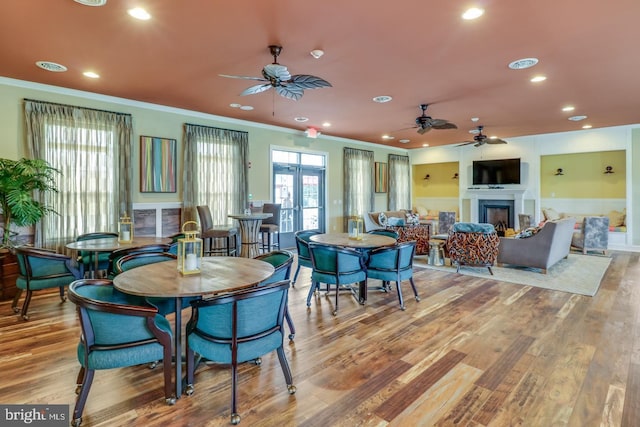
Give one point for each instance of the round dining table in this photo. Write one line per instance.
(364, 243)
(250, 232)
(111, 244)
(218, 275)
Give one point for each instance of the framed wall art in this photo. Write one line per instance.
(157, 165)
(381, 177)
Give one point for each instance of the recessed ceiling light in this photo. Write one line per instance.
(587, 127)
(92, 2)
(139, 13)
(326, 125)
(577, 118)
(568, 108)
(317, 53)
(404, 141)
(301, 119)
(521, 64)
(425, 145)
(246, 107)
(235, 105)
(387, 137)
(475, 119)
(51, 66)
(472, 13)
(91, 75)
(538, 79)
(382, 99)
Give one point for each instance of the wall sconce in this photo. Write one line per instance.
(609, 169)
(559, 172)
(455, 176)
(427, 176)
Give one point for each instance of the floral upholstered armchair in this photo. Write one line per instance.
(473, 245)
(593, 236)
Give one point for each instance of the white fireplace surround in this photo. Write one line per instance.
(474, 195)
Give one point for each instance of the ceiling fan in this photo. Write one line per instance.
(425, 123)
(481, 139)
(277, 76)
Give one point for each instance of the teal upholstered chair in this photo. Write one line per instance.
(281, 261)
(384, 232)
(118, 330)
(237, 328)
(335, 266)
(42, 269)
(302, 246)
(87, 258)
(393, 264)
(119, 253)
(165, 305)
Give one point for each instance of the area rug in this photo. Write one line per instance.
(578, 274)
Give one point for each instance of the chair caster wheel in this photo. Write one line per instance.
(291, 389)
(25, 317)
(189, 389)
(76, 422)
(335, 312)
(235, 419)
(153, 365)
(258, 361)
(417, 298)
(78, 388)
(403, 308)
(291, 336)
(171, 401)
(16, 310)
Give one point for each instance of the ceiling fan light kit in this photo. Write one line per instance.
(425, 123)
(278, 77)
(480, 139)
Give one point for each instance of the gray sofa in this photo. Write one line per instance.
(542, 250)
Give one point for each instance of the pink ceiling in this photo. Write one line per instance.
(417, 51)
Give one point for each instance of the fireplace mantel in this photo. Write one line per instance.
(475, 194)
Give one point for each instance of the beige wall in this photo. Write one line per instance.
(440, 182)
(155, 120)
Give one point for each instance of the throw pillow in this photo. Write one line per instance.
(531, 231)
(382, 219)
(413, 219)
(395, 221)
(550, 214)
(616, 219)
(422, 211)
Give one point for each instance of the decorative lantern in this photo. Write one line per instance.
(189, 251)
(355, 228)
(125, 229)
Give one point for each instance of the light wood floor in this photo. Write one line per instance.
(473, 352)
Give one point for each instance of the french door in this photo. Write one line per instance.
(299, 188)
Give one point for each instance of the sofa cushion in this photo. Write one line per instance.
(472, 227)
(550, 214)
(395, 221)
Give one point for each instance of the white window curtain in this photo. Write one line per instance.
(399, 182)
(92, 150)
(215, 172)
(358, 182)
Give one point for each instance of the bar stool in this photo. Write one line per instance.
(214, 234)
(269, 227)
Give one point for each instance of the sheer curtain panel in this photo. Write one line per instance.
(358, 183)
(399, 182)
(92, 149)
(214, 172)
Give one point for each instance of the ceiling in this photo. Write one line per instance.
(416, 51)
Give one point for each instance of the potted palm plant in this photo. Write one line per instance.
(20, 180)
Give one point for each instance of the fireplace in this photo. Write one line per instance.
(500, 213)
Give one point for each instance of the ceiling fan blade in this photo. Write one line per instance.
(290, 91)
(276, 71)
(256, 89)
(306, 81)
(445, 125)
(243, 77)
(424, 129)
(495, 141)
(466, 143)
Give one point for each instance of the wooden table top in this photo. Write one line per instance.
(219, 274)
(111, 244)
(342, 239)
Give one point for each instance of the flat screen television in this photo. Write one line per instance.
(496, 172)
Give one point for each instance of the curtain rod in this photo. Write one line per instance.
(213, 127)
(76, 106)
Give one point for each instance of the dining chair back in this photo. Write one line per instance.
(302, 245)
(42, 269)
(87, 258)
(281, 261)
(393, 264)
(270, 227)
(117, 331)
(164, 305)
(384, 232)
(218, 237)
(119, 253)
(337, 266)
(236, 328)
